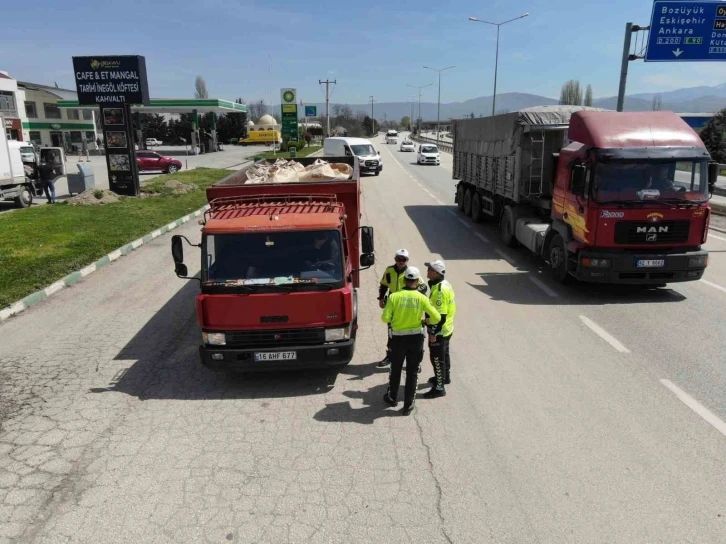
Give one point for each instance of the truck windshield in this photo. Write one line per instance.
(363, 150)
(625, 181)
(277, 258)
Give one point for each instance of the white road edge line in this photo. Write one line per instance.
(714, 285)
(482, 237)
(605, 335)
(464, 222)
(505, 257)
(706, 414)
(546, 288)
(717, 237)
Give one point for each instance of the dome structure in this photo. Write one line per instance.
(250, 123)
(267, 121)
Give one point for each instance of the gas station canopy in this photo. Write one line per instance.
(174, 105)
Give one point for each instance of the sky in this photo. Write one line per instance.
(251, 49)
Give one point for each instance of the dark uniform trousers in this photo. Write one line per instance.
(408, 349)
(440, 359)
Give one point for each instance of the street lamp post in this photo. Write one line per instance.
(438, 104)
(419, 87)
(496, 61)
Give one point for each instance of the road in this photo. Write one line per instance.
(562, 424)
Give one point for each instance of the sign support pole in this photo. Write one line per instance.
(624, 65)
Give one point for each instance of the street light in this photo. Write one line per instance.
(438, 105)
(419, 87)
(496, 62)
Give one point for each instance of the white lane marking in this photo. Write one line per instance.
(452, 212)
(710, 418)
(464, 222)
(605, 335)
(717, 237)
(482, 237)
(413, 178)
(505, 257)
(546, 288)
(714, 285)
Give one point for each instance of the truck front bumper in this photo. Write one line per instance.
(624, 267)
(331, 355)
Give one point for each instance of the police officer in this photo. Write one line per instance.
(392, 281)
(404, 313)
(443, 299)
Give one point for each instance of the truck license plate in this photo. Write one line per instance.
(650, 263)
(276, 356)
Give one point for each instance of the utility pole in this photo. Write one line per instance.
(327, 102)
(419, 87)
(630, 28)
(373, 119)
(438, 103)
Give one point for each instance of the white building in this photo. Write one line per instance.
(32, 114)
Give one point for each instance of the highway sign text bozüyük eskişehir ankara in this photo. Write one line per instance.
(111, 80)
(687, 31)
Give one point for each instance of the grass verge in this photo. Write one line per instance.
(304, 152)
(43, 244)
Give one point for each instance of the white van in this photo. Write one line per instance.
(370, 160)
(391, 137)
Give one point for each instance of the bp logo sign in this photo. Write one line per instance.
(288, 96)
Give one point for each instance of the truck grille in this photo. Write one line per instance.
(275, 338)
(645, 232)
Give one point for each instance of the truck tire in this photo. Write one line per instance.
(476, 212)
(467, 202)
(25, 198)
(460, 197)
(508, 226)
(558, 259)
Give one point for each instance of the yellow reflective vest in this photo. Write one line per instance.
(405, 310)
(443, 299)
(394, 281)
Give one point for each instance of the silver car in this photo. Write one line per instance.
(407, 146)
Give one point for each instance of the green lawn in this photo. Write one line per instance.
(304, 152)
(43, 244)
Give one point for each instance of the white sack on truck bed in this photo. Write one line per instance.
(283, 171)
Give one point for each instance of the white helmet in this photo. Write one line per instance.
(437, 266)
(403, 253)
(412, 273)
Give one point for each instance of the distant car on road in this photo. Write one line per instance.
(407, 146)
(150, 161)
(428, 154)
(152, 142)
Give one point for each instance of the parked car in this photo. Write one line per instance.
(152, 142)
(150, 161)
(407, 146)
(428, 154)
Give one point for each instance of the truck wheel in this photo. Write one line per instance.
(25, 198)
(460, 197)
(467, 202)
(476, 213)
(508, 226)
(558, 259)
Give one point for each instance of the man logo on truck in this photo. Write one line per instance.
(648, 230)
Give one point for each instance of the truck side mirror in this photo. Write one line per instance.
(713, 171)
(366, 236)
(577, 182)
(177, 249)
(367, 260)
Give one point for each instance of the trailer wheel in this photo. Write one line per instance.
(25, 198)
(508, 226)
(467, 202)
(476, 212)
(558, 259)
(460, 197)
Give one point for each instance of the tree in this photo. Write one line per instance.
(406, 121)
(200, 88)
(713, 136)
(471, 115)
(155, 126)
(257, 109)
(657, 103)
(571, 93)
(588, 96)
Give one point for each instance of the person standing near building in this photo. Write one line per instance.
(443, 299)
(391, 282)
(404, 312)
(47, 177)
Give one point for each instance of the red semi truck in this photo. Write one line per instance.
(279, 277)
(602, 196)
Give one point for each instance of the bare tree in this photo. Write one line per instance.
(200, 88)
(256, 109)
(571, 93)
(657, 103)
(588, 96)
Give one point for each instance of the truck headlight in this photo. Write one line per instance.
(589, 262)
(214, 338)
(338, 334)
(698, 262)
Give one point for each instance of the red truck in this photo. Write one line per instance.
(602, 196)
(280, 272)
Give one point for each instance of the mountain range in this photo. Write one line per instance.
(691, 100)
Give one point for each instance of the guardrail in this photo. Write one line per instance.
(443, 146)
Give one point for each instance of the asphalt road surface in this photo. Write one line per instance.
(576, 414)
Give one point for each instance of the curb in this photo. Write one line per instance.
(74, 277)
(717, 208)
